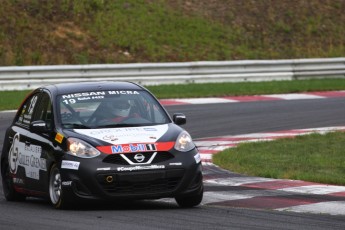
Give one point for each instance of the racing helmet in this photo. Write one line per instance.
(119, 107)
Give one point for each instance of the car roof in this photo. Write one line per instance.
(65, 88)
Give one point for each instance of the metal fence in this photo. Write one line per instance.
(29, 77)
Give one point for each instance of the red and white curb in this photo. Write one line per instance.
(281, 195)
(271, 97)
(267, 193)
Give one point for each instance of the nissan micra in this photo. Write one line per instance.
(99, 141)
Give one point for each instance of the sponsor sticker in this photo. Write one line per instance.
(32, 104)
(136, 168)
(197, 158)
(66, 183)
(70, 165)
(176, 163)
(59, 137)
(110, 138)
(150, 129)
(137, 147)
(130, 148)
(103, 169)
(26, 156)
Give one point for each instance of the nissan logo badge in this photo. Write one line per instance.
(139, 157)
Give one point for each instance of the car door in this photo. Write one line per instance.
(19, 161)
(40, 145)
(29, 151)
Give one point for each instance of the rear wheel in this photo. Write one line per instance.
(7, 184)
(190, 200)
(56, 194)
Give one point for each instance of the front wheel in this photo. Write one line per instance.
(7, 184)
(56, 194)
(190, 200)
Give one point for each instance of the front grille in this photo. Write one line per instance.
(162, 156)
(141, 183)
(115, 159)
(159, 185)
(119, 160)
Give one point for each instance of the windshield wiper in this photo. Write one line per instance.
(73, 125)
(117, 125)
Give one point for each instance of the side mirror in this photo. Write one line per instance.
(179, 119)
(38, 127)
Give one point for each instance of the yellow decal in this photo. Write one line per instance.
(59, 137)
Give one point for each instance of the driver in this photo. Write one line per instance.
(118, 109)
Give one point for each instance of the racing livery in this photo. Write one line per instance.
(99, 141)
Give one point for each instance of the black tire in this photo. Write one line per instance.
(7, 184)
(56, 194)
(190, 200)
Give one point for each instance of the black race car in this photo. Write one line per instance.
(99, 141)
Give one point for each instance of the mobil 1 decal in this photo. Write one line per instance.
(26, 156)
(145, 134)
(136, 147)
(133, 148)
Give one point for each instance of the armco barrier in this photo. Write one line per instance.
(29, 77)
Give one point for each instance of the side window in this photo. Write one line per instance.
(43, 111)
(27, 110)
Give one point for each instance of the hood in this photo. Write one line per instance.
(117, 136)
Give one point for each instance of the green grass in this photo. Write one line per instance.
(315, 158)
(246, 88)
(12, 99)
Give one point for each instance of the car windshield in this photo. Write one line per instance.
(118, 108)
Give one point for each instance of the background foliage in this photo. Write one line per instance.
(40, 32)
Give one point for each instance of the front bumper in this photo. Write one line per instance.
(97, 180)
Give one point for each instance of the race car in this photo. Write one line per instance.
(99, 141)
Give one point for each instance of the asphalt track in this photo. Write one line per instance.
(205, 120)
(209, 120)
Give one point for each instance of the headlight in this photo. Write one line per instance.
(80, 148)
(184, 142)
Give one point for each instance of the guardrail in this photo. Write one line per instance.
(29, 77)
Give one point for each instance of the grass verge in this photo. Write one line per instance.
(12, 99)
(316, 158)
(246, 88)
